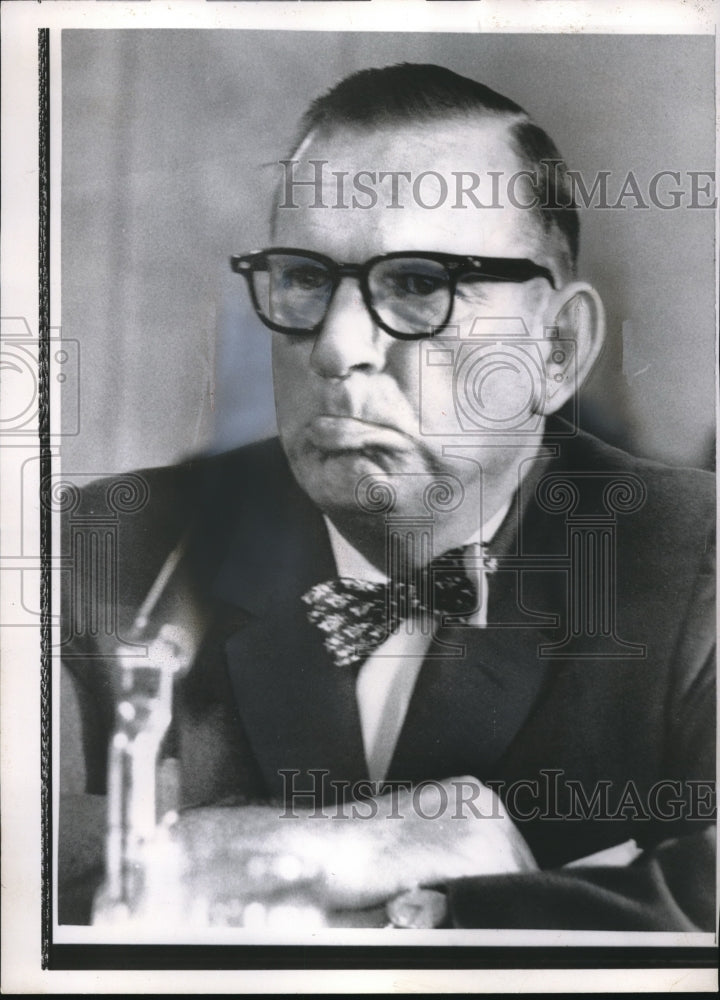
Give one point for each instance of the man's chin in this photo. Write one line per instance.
(332, 479)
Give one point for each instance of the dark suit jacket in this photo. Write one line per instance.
(592, 684)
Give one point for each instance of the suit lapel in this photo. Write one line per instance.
(299, 712)
(466, 710)
(469, 703)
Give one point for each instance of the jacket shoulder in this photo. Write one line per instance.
(679, 501)
(140, 516)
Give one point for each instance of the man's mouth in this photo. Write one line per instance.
(330, 433)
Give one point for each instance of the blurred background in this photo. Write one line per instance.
(170, 149)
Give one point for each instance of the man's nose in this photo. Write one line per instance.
(349, 340)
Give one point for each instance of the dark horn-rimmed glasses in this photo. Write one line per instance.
(409, 294)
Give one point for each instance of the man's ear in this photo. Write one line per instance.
(574, 337)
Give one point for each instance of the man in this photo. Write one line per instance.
(433, 587)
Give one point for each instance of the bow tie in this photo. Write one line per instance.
(356, 616)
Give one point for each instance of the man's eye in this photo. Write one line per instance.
(306, 279)
(416, 284)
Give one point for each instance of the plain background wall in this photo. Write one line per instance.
(171, 142)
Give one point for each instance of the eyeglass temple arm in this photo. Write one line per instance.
(518, 269)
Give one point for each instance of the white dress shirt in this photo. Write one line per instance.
(386, 680)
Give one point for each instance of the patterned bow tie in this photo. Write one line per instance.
(356, 616)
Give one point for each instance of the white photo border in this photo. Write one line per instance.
(31, 234)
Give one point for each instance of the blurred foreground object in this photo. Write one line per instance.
(142, 864)
(148, 881)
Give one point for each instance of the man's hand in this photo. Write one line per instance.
(366, 852)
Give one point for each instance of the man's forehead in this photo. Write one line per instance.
(433, 185)
(465, 143)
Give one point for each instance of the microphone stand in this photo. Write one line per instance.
(142, 865)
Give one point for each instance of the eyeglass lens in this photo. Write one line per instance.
(410, 295)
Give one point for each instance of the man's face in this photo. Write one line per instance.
(352, 400)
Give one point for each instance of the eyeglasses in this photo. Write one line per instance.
(410, 295)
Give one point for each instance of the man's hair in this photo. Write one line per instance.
(411, 93)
